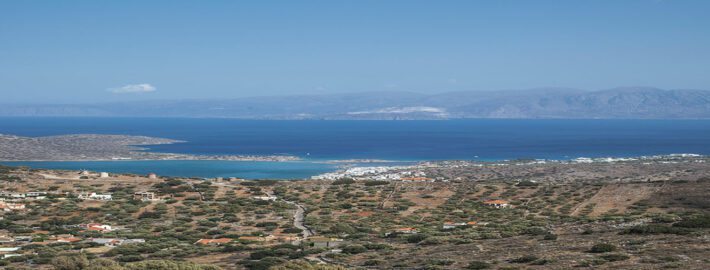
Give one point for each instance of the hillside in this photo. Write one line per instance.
(92, 147)
(640, 214)
(618, 103)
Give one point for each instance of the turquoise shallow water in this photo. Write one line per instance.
(489, 139)
(196, 168)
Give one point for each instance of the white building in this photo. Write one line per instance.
(144, 196)
(265, 198)
(95, 197)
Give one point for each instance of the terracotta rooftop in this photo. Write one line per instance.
(214, 241)
(495, 202)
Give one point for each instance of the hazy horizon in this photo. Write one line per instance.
(88, 52)
(422, 93)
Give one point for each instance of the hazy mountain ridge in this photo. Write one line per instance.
(629, 102)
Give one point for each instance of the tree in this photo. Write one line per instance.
(104, 264)
(168, 265)
(301, 265)
(77, 262)
(354, 249)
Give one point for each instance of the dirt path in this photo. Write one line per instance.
(394, 189)
(54, 177)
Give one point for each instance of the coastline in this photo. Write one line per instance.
(415, 171)
(317, 170)
(99, 147)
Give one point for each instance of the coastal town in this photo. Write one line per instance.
(442, 215)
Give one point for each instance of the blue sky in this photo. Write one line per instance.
(95, 51)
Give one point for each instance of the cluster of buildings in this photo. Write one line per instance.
(276, 238)
(95, 196)
(12, 245)
(139, 196)
(381, 173)
(34, 195)
(97, 227)
(114, 242)
(107, 175)
(7, 206)
(451, 225)
(265, 198)
(497, 203)
(11, 201)
(145, 196)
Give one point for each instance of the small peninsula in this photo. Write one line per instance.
(99, 147)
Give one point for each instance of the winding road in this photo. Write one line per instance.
(298, 220)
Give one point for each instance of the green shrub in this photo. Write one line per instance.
(370, 183)
(130, 258)
(615, 257)
(524, 259)
(694, 222)
(478, 265)
(416, 238)
(540, 262)
(354, 249)
(602, 248)
(344, 181)
(535, 231)
(657, 229)
(550, 236)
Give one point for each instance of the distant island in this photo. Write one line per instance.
(96, 147)
(541, 103)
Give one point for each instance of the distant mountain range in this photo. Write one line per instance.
(617, 103)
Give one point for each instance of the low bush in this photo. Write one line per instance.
(694, 222)
(344, 181)
(550, 236)
(370, 183)
(354, 249)
(524, 259)
(478, 265)
(416, 238)
(602, 248)
(615, 257)
(657, 229)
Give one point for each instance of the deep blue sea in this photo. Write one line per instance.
(391, 140)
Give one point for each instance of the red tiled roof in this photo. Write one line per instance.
(496, 202)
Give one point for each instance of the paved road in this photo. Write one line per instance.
(298, 220)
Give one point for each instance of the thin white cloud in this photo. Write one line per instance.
(133, 88)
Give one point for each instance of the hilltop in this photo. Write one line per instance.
(555, 103)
